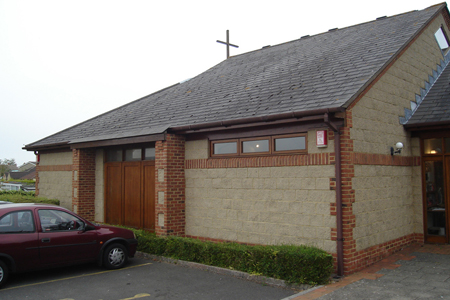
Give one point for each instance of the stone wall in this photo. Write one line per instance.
(383, 208)
(266, 200)
(376, 125)
(273, 205)
(387, 203)
(55, 177)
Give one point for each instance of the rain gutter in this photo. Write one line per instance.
(268, 118)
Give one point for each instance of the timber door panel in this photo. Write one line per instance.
(149, 195)
(113, 194)
(132, 194)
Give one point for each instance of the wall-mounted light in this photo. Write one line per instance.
(398, 148)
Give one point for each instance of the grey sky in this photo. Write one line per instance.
(63, 62)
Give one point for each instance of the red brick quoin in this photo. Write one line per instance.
(170, 180)
(83, 183)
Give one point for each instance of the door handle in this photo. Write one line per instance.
(46, 240)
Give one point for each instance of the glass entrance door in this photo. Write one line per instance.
(436, 229)
(436, 188)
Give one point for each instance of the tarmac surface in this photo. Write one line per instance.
(416, 272)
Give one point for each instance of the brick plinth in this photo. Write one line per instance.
(367, 257)
(83, 183)
(170, 186)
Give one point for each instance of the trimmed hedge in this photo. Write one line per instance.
(25, 197)
(295, 264)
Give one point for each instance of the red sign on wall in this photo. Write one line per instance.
(321, 138)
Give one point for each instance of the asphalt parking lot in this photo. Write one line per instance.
(141, 279)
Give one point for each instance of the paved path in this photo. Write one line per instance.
(416, 272)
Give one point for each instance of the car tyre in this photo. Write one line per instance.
(115, 256)
(4, 272)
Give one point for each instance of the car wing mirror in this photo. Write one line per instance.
(88, 227)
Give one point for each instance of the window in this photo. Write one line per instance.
(56, 220)
(133, 154)
(289, 143)
(114, 155)
(130, 154)
(432, 146)
(17, 222)
(255, 146)
(225, 147)
(441, 39)
(269, 145)
(149, 154)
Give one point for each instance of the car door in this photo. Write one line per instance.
(19, 239)
(62, 243)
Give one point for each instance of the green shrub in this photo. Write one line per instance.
(295, 264)
(25, 181)
(25, 197)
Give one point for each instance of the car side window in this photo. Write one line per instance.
(17, 222)
(56, 220)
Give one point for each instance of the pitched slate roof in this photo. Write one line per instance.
(435, 107)
(327, 70)
(29, 174)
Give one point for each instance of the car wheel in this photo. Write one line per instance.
(3, 273)
(115, 256)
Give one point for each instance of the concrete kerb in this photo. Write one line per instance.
(238, 274)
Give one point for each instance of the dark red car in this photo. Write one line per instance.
(37, 236)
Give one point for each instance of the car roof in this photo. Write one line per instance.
(13, 206)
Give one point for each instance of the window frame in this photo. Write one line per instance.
(212, 143)
(304, 151)
(271, 152)
(129, 147)
(268, 139)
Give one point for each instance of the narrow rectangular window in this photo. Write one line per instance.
(432, 146)
(255, 146)
(289, 143)
(267, 145)
(149, 154)
(224, 148)
(114, 155)
(133, 154)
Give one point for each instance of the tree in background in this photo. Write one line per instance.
(6, 165)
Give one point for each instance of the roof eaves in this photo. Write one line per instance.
(267, 118)
(426, 125)
(46, 147)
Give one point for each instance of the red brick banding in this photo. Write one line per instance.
(259, 162)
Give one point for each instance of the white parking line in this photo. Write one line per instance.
(137, 296)
(68, 278)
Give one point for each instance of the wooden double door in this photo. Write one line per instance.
(130, 194)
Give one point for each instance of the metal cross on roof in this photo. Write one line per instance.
(228, 44)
